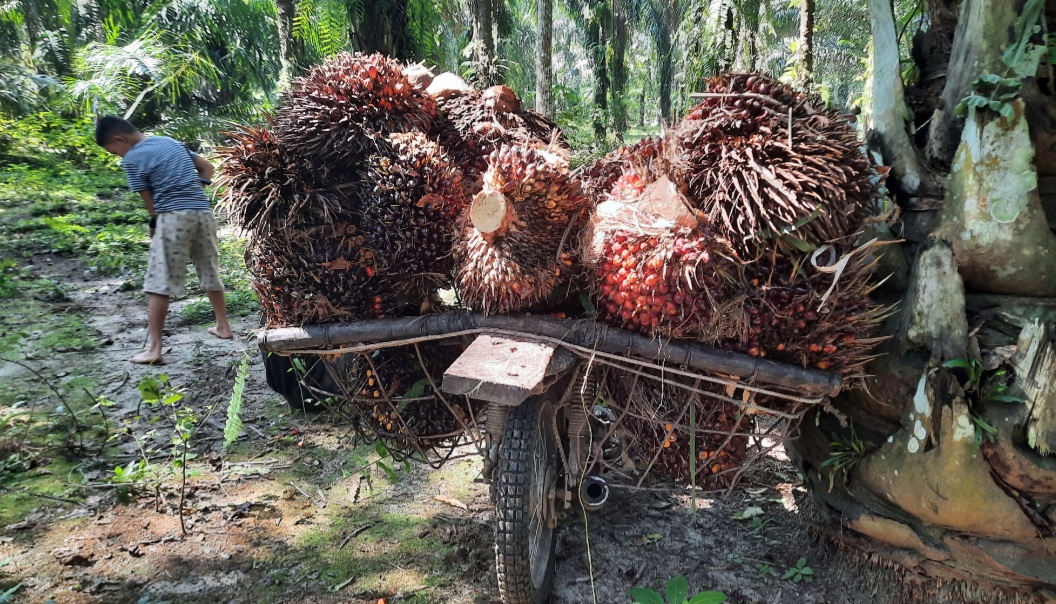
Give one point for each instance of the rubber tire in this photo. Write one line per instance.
(281, 377)
(521, 579)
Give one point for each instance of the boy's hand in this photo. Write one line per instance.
(152, 233)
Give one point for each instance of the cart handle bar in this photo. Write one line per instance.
(584, 333)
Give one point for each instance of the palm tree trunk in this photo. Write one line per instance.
(750, 32)
(667, 72)
(806, 42)
(31, 19)
(544, 71)
(620, 34)
(976, 57)
(383, 29)
(729, 38)
(482, 13)
(889, 112)
(596, 32)
(289, 56)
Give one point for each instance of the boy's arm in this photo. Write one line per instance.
(148, 202)
(204, 168)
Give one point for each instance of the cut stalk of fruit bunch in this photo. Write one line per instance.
(509, 258)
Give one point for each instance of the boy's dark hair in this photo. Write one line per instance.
(110, 126)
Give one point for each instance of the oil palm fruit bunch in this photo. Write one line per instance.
(413, 199)
(472, 124)
(316, 274)
(667, 285)
(793, 317)
(510, 253)
(640, 157)
(765, 164)
(336, 113)
(393, 394)
(657, 424)
(657, 275)
(266, 188)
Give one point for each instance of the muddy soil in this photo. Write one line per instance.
(297, 513)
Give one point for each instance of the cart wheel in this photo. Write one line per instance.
(527, 470)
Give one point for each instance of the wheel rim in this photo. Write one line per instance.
(540, 535)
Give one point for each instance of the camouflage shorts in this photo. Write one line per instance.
(188, 235)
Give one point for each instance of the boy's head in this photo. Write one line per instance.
(116, 135)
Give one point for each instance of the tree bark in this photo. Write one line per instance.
(544, 71)
(383, 29)
(993, 212)
(889, 114)
(620, 35)
(289, 48)
(482, 14)
(31, 21)
(596, 42)
(983, 33)
(806, 42)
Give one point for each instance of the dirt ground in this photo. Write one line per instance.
(296, 512)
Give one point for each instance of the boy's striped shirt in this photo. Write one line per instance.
(165, 167)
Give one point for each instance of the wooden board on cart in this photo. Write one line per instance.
(500, 370)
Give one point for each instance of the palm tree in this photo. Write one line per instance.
(664, 19)
(942, 463)
(806, 41)
(544, 73)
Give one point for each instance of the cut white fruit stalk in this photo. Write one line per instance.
(491, 213)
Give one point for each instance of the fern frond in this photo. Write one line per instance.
(233, 425)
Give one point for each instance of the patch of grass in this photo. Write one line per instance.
(67, 333)
(28, 325)
(22, 492)
(44, 212)
(391, 555)
(239, 304)
(9, 286)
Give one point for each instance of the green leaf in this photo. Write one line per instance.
(990, 78)
(789, 574)
(977, 101)
(1005, 398)
(149, 389)
(677, 589)
(381, 449)
(233, 425)
(958, 364)
(1023, 30)
(8, 596)
(388, 470)
(995, 105)
(708, 597)
(643, 595)
(1008, 111)
(799, 244)
(417, 389)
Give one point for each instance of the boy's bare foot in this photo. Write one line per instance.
(148, 357)
(226, 334)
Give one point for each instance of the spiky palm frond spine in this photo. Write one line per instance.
(268, 188)
(337, 112)
(472, 125)
(763, 162)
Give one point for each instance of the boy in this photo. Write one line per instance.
(169, 179)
